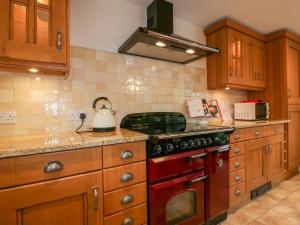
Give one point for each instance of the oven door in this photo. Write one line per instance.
(261, 111)
(178, 201)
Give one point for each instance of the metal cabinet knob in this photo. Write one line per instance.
(128, 221)
(276, 131)
(126, 154)
(237, 137)
(53, 166)
(237, 178)
(127, 199)
(237, 164)
(126, 177)
(237, 192)
(257, 133)
(237, 150)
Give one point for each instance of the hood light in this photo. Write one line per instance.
(33, 70)
(190, 51)
(160, 44)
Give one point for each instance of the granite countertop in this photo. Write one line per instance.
(34, 144)
(238, 124)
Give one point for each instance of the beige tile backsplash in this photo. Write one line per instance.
(133, 84)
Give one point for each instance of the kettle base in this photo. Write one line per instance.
(105, 129)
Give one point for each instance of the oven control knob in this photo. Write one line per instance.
(191, 144)
(222, 140)
(209, 141)
(157, 149)
(197, 143)
(170, 147)
(203, 141)
(183, 145)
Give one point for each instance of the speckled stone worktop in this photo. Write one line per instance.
(35, 144)
(238, 124)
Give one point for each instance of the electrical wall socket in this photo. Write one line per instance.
(74, 115)
(8, 117)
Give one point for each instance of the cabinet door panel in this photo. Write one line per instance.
(74, 200)
(293, 72)
(257, 163)
(276, 160)
(294, 140)
(259, 61)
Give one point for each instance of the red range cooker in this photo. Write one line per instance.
(188, 169)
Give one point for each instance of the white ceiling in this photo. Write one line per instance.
(264, 16)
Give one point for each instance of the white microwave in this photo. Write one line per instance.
(251, 111)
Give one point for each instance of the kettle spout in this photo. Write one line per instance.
(114, 112)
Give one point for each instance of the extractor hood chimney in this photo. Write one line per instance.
(157, 40)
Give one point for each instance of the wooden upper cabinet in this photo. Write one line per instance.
(241, 63)
(74, 200)
(34, 33)
(293, 71)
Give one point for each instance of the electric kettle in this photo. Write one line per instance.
(104, 119)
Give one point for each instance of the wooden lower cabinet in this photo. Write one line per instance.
(294, 140)
(75, 200)
(278, 157)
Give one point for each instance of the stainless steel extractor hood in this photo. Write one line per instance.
(157, 41)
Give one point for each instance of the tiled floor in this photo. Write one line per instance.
(280, 206)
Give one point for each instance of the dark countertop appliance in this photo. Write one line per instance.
(157, 40)
(187, 167)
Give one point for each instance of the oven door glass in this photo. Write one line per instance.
(181, 207)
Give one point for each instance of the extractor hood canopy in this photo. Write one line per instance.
(157, 41)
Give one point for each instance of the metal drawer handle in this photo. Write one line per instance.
(237, 164)
(127, 221)
(237, 137)
(237, 192)
(237, 178)
(127, 199)
(59, 40)
(96, 198)
(191, 182)
(127, 154)
(53, 166)
(237, 150)
(126, 177)
(202, 155)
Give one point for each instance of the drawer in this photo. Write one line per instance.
(135, 216)
(40, 167)
(120, 154)
(255, 132)
(237, 177)
(236, 163)
(124, 198)
(275, 129)
(237, 149)
(123, 176)
(237, 136)
(237, 191)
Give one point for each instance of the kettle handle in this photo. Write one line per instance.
(101, 98)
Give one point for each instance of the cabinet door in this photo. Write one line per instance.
(236, 54)
(74, 200)
(256, 163)
(276, 159)
(259, 64)
(293, 72)
(34, 30)
(294, 140)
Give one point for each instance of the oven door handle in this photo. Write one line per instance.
(221, 150)
(192, 157)
(191, 182)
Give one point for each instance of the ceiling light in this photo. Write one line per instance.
(227, 88)
(33, 70)
(190, 51)
(160, 44)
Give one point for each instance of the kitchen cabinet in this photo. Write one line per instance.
(34, 34)
(293, 139)
(242, 61)
(74, 200)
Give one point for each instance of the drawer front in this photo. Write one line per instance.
(237, 191)
(120, 154)
(237, 136)
(255, 132)
(237, 149)
(123, 176)
(275, 129)
(236, 163)
(237, 177)
(34, 168)
(135, 216)
(124, 198)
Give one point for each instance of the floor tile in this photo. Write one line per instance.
(289, 209)
(272, 217)
(294, 197)
(279, 193)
